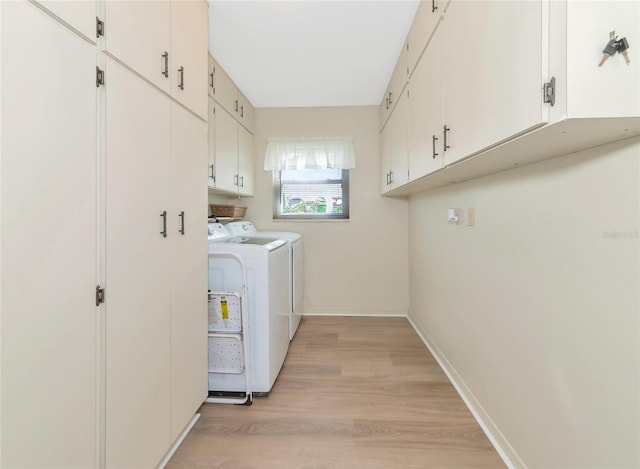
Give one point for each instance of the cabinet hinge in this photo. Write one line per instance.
(550, 91)
(99, 27)
(99, 295)
(99, 77)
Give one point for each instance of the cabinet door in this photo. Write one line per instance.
(138, 384)
(425, 21)
(385, 157)
(79, 15)
(226, 149)
(226, 93)
(245, 112)
(398, 143)
(425, 112)
(48, 243)
(138, 34)
(612, 90)
(189, 263)
(189, 44)
(245, 161)
(492, 64)
(211, 140)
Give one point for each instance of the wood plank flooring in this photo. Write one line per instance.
(354, 393)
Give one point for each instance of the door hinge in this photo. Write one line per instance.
(550, 91)
(99, 27)
(99, 295)
(99, 77)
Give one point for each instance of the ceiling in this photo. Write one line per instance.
(296, 53)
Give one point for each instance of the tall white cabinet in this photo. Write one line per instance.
(103, 187)
(49, 248)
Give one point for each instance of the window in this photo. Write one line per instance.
(311, 194)
(310, 177)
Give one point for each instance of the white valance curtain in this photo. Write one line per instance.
(309, 153)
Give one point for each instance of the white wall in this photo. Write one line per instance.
(358, 266)
(536, 308)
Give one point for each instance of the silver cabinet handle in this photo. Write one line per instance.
(236, 104)
(434, 139)
(241, 181)
(164, 223)
(241, 111)
(211, 82)
(165, 56)
(235, 179)
(445, 131)
(212, 176)
(433, 6)
(181, 215)
(181, 84)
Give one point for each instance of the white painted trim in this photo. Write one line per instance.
(490, 429)
(366, 314)
(178, 441)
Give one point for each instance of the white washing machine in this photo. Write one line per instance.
(267, 265)
(296, 249)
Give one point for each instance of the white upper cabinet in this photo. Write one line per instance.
(584, 90)
(245, 162)
(492, 73)
(81, 16)
(398, 150)
(139, 35)
(227, 94)
(395, 87)
(165, 42)
(425, 112)
(427, 16)
(521, 82)
(231, 136)
(189, 43)
(233, 148)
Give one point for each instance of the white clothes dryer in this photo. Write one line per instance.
(267, 265)
(296, 249)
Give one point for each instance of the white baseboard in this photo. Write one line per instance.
(366, 314)
(493, 433)
(178, 441)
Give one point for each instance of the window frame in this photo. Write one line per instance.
(277, 198)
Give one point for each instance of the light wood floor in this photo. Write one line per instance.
(354, 393)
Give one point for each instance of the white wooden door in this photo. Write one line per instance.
(79, 15)
(398, 142)
(48, 247)
(138, 33)
(189, 46)
(245, 161)
(211, 140)
(138, 384)
(425, 112)
(188, 235)
(501, 44)
(226, 149)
